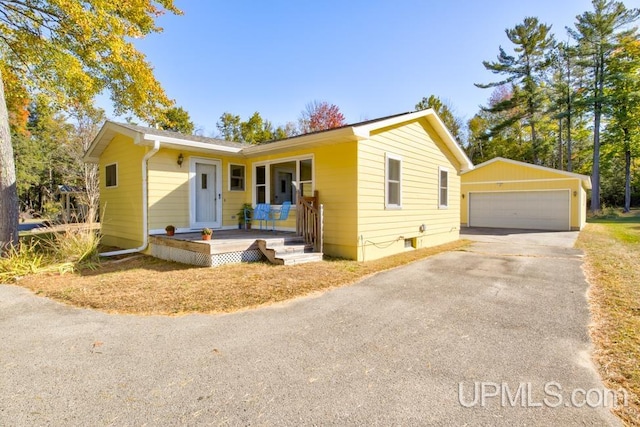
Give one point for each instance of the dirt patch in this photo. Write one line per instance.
(146, 285)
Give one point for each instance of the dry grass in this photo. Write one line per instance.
(612, 248)
(145, 285)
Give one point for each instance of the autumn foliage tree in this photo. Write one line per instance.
(320, 115)
(69, 52)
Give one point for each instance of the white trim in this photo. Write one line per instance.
(514, 181)
(244, 177)
(189, 144)
(518, 191)
(440, 170)
(387, 205)
(193, 191)
(109, 187)
(267, 164)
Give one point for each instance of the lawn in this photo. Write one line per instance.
(612, 266)
(145, 285)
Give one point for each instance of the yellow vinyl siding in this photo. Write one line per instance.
(503, 176)
(335, 180)
(169, 190)
(121, 206)
(381, 231)
(232, 201)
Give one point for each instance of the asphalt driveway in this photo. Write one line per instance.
(493, 335)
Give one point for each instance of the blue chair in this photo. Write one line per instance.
(262, 212)
(283, 214)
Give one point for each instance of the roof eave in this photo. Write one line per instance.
(148, 139)
(321, 138)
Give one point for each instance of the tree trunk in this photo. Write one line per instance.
(569, 164)
(9, 209)
(595, 173)
(627, 180)
(597, 113)
(534, 144)
(560, 148)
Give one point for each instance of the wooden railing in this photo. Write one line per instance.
(309, 221)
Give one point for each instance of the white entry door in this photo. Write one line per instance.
(206, 193)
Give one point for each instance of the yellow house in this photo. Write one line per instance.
(386, 186)
(505, 193)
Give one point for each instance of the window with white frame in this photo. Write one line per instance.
(393, 184)
(279, 182)
(443, 185)
(236, 177)
(261, 184)
(111, 175)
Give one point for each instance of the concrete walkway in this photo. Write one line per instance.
(405, 347)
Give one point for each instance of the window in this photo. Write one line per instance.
(276, 183)
(443, 198)
(236, 177)
(261, 184)
(111, 175)
(393, 182)
(203, 181)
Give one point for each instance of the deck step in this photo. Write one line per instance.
(297, 258)
(288, 253)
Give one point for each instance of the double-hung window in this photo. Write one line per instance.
(236, 177)
(443, 186)
(393, 181)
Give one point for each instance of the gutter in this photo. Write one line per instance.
(145, 206)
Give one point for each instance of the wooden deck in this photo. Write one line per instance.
(225, 246)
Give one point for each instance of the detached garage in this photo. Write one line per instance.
(503, 193)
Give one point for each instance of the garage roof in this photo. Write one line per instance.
(585, 179)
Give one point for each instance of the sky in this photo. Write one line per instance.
(371, 58)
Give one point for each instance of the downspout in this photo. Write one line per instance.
(145, 207)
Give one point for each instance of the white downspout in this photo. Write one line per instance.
(145, 206)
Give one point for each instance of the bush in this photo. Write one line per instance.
(61, 252)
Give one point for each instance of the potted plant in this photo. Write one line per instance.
(170, 229)
(206, 233)
(241, 216)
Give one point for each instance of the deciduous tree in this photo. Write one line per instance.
(71, 51)
(446, 112)
(320, 115)
(176, 119)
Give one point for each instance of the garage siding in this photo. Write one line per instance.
(537, 210)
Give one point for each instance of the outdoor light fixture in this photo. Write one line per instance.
(575, 193)
(180, 159)
(463, 195)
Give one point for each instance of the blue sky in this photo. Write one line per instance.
(371, 58)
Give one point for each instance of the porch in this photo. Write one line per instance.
(233, 246)
(242, 245)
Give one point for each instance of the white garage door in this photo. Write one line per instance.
(536, 210)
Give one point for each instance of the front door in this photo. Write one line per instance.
(284, 186)
(206, 191)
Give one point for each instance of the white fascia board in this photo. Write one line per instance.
(182, 143)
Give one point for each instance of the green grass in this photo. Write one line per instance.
(612, 264)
